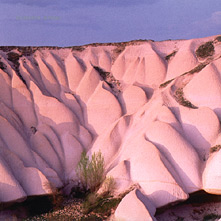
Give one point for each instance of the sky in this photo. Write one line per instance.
(78, 22)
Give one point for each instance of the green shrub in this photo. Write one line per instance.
(205, 50)
(91, 173)
(109, 185)
(100, 204)
(215, 148)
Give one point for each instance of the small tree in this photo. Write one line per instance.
(91, 173)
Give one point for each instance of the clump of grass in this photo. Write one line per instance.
(91, 173)
(108, 186)
(169, 56)
(215, 148)
(179, 95)
(205, 50)
(101, 204)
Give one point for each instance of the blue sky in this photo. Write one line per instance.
(77, 22)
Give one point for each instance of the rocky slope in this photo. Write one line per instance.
(152, 108)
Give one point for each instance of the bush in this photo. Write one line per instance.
(100, 204)
(205, 50)
(91, 176)
(218, 38)
(13, 57)
(91, 172)
(215, 148)
(108, 186)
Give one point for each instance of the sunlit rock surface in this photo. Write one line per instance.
(152, 108)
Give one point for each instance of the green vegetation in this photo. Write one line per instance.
(179, 95)
(108, 186)
(205, 50)
(169, 56)
(91, 173)
(101, 204)
(215, 148)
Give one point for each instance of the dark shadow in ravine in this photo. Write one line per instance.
(196, 199)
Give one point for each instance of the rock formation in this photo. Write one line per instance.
(152, 108)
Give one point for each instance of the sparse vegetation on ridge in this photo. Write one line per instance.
(179, 95)
(218, 38)
(14, 58)
(78, 48)
(109, 79)
(205, 50)
(169, 56)
(198, 68)
(166, 83)
(215, 148)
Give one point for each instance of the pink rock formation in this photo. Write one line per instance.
(55, 103)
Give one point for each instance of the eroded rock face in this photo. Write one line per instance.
(57, 102)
